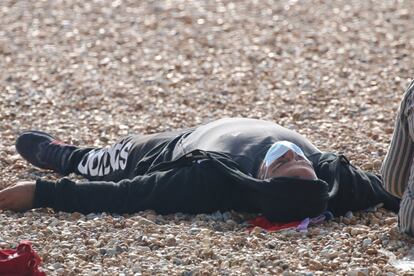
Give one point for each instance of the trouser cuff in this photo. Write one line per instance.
(44, 193)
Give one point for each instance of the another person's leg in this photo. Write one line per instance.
(398, 167)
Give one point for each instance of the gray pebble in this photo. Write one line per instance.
(92, 216)
(194, 230)
(218, 216)
(349, 214)
(227, 216)
(54, 223)
(366, 242)
(111, 252)
(57, 265)
(359, 272)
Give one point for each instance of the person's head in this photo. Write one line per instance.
(285, 159)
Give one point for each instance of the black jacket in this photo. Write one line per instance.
(184, 174)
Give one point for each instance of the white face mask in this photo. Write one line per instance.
(278, 149)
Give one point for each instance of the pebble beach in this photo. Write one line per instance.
(90, 72)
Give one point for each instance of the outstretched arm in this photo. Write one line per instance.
(95, 196)
(358, 190)
(192, 188)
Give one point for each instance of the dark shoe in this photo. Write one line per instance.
(43, 151)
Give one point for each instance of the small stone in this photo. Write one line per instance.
(329, 252)
(144, 249)
(231, 223)
(119, 249)
(272, 244)
(389, 221)
(91, 252)
(378, 215)
(92, 216)
(207, 253)
(111, 252)
(218, 216)
(61, 271)
(75, 216)
(91, 241)
(359, 272)
(357, 231)
(57, 265)
(303, 252)
(151, 217)
(374, 220)
(104, 61)
(256, 230)
(227, 216)
(4, 244)
(371, 251)
(194, 230)
(366, 242)
(141, 222)
(178, 261)
(315, 265)
(170, 240)
(180, 216)
(136, 268)
(349, 214)
(54, 223)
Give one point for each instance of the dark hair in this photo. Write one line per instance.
(289, 199)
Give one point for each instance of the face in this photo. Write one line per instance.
(289, 165)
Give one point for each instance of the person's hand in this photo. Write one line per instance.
(19, 197)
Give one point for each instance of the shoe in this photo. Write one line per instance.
(44, 151)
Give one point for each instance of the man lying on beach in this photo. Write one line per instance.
(236, 164)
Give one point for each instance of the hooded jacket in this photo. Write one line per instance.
(214, 167)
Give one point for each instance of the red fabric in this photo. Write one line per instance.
(22, 261)
(271, 226)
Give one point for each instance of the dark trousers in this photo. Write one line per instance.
(125, 159)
